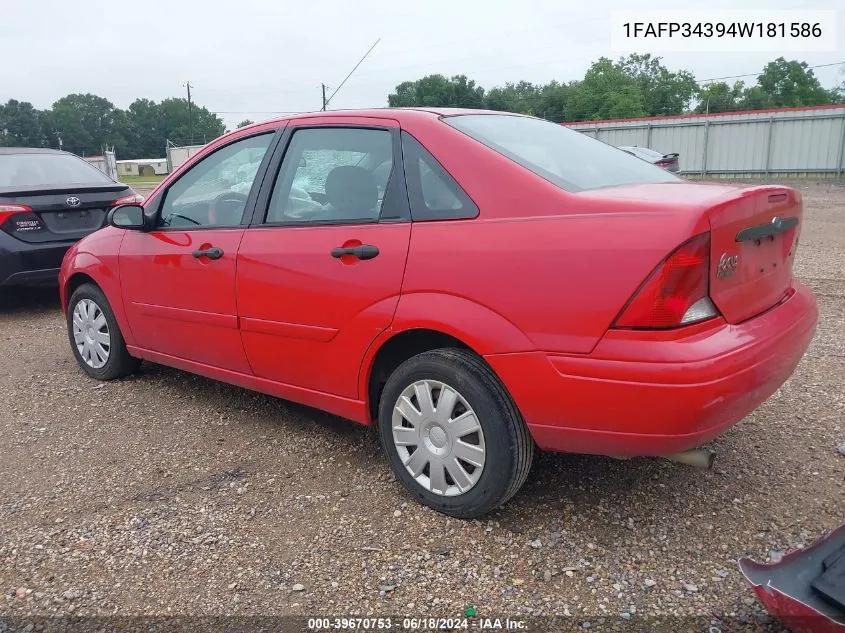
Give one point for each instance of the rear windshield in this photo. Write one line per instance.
(571, 160)
(22, 170)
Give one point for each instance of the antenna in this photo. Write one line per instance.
(326, 101)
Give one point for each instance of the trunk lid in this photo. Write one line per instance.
(754, 236)
(59, 213)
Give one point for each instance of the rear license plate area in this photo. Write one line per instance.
(73, 221)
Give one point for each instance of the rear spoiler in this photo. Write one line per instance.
(38, 190)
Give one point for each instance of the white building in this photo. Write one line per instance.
(142, 167)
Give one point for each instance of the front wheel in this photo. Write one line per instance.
(452, 434)
(95, 338)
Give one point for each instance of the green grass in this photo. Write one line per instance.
(141, 180)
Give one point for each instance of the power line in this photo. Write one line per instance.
(758, 73)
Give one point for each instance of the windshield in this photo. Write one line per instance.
(24, 170)
(571, 160)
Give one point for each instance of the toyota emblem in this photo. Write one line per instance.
(72, 201)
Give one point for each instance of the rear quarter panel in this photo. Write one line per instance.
(539, 268)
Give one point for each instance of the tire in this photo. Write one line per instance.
(503, 448)
(118, 363)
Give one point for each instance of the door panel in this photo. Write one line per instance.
(179, 304)
(307, 310)
(307, 317)
(179, 279)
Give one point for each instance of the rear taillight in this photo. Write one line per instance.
(8, 210)
(134, 198)
(676, 292)
(664, 163)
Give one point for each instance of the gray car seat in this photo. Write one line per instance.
(352, 194)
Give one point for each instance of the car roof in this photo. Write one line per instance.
(393, 113)
(29, 150)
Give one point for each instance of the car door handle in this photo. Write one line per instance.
(365, 251)
(212, 253)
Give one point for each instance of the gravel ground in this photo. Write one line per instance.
(168, 493)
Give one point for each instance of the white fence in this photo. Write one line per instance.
(178, 155)
(105, 163)
(789, 141)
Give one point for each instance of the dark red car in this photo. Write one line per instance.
(475, 283)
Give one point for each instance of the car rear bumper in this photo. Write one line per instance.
(657, 393)
(24, 263)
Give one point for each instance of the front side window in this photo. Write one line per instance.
(214, 191)
(332, 175)
(571, 160)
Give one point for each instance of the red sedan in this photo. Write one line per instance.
(476, 284)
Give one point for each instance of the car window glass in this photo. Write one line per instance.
(213, 192)
(331, 175)
(433, 193)
(31, 169)
(571, 160)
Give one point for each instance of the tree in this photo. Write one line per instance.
(754, 98)
(720, 97)
(20, 125)
(204, 126)
(438, 91)
(663, 92)
(144, 127)
(245, 122)
(607, 92)
(86, 123)
(522, 97)
(791, 84)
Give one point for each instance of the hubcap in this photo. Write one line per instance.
(91, 333)
(438, 438)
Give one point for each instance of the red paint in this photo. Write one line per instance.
(792, 610)
(533, 284)
(181, 305)
(327, 311)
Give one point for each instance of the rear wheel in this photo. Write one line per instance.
(452, 434)
(95, 338)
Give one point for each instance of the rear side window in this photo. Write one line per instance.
(433, 193)
(571, 160)
(36, 169)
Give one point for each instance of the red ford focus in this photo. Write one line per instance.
(477, 284)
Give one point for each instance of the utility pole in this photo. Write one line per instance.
(324, 96)
(190, 118)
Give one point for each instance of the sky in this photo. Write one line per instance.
(258, 59)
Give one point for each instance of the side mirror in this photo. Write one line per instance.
(127, 216)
